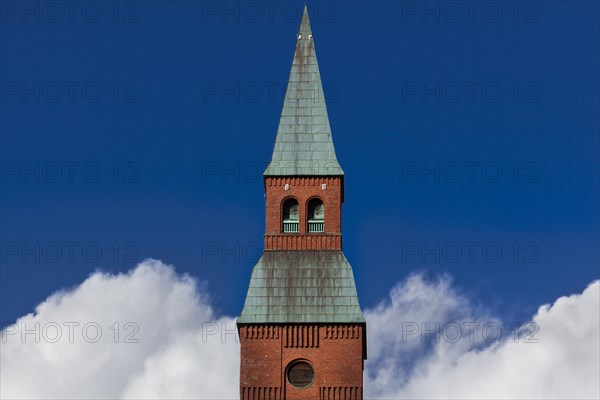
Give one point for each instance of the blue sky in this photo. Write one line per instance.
(141, 131)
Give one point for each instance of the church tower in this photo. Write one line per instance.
(302, 332)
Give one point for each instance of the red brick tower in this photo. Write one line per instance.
(302, 332)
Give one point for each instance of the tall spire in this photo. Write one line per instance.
(304, 145)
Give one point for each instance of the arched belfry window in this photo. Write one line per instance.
(316, 216)
(291, 216)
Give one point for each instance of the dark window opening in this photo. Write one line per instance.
(300, 374)
(316, 216)
(291, 220)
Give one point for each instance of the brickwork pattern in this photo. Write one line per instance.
(303, 189)
(335, 351)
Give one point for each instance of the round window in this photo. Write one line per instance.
(300, 374)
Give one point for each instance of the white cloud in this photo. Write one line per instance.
(560, 360)
(179, 351)
(184, 350)
(198, 365)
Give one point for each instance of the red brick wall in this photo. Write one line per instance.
(303, 189)
(335, 351)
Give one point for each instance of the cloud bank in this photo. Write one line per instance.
(171, 349)
(555, 355)
(152, 333)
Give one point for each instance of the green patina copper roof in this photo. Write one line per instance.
(302, 287)
(303, 145)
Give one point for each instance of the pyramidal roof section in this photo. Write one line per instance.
(304, 145)
(303, 287)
